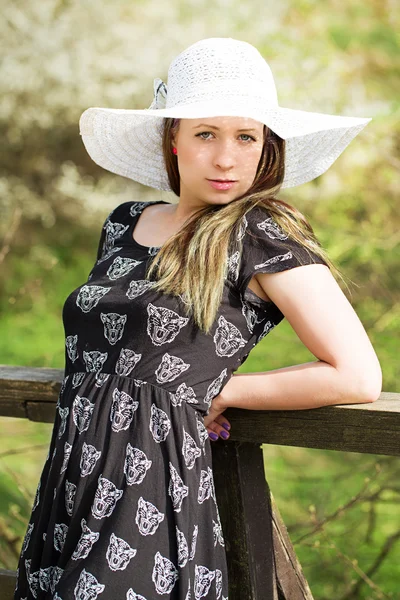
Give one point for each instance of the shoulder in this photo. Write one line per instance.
(267, 247)
(124, 211)
(259, 223)
(262, 232)
(115, 224)
(268, 232)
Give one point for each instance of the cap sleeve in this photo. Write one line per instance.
(268, 249)
(115, 225)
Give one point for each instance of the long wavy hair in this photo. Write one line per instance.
(193, 262)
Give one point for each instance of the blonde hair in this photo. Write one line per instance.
(193, 262)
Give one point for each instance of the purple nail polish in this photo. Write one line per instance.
(224, 434)
(226, 425)
(213, 436)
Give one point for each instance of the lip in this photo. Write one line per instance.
(222, 184)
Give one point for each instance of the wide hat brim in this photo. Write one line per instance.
(128, 142)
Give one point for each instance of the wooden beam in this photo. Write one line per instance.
(243, 500)
(32, 382)
(292, 585)
(20, 385)
(7, 584)
(262, 563)
(373, 428)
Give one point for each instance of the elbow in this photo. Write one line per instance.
(370, 393)
(362, 385)
(368, 387)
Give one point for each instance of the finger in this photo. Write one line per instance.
(219, 424)
(217, 430)
(223, 421)
(215, 427)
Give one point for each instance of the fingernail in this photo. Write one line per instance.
(213, 436)
(226, 425)
(224, 434)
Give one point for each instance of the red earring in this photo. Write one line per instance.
(174, 150)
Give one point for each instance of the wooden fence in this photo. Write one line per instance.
(262, 564)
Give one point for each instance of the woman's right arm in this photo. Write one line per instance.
(347, 370)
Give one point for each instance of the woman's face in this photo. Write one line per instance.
(217, 158)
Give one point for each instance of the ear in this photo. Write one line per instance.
(174, 137)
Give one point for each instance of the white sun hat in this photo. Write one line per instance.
(214, 77)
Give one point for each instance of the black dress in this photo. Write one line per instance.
(125, 508)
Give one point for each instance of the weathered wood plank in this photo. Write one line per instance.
(291, 583)
(21, 383)
(7, 584)
(41, 412)
(372, 428)
(243, 501)
(345, 429)
(13, 407)
(262, 563)
(20, 386)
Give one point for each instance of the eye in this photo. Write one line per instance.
(249, 137)
(203, 133)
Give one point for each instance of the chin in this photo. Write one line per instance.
(220, 200)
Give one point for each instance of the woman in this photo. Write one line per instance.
(179, 295)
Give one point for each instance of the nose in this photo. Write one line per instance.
(224, 157)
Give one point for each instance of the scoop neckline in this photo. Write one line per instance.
(134, 221)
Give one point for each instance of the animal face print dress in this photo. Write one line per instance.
(125, 508)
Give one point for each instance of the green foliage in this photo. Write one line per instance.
(24, 447)
(356, 500)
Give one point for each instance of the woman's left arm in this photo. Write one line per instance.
(347, 370)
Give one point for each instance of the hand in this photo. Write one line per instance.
(215, 422)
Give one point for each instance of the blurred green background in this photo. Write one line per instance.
(59, 58)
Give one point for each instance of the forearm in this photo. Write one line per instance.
(308, 385)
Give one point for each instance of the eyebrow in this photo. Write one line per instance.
(214, 127)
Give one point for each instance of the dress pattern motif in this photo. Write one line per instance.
(125, 508)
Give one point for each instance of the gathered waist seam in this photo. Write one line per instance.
(143, 382)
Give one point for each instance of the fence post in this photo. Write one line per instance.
(245, 512)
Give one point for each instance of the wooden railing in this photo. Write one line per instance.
(262, 564)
